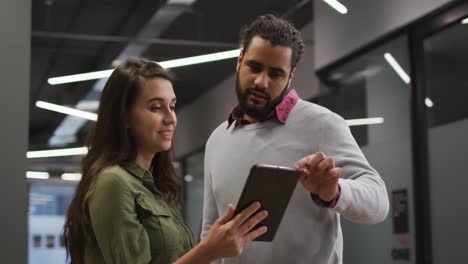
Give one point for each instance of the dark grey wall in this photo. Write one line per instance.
(15, 29)
(339, 35)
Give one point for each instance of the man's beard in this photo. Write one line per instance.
(254, 110)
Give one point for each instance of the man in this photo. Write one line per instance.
(271, 125)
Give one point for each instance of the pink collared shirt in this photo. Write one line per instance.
(281, 111)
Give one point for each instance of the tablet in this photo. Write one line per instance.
(272, 186)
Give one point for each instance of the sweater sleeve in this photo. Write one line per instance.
(363, 197)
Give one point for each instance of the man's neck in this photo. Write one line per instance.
(250, 119)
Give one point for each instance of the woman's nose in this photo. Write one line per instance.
(170, 117)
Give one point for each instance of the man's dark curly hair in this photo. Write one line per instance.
(278, 31)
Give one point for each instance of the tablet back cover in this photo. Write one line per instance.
(272, 186)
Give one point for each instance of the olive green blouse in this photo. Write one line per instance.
(130, 220)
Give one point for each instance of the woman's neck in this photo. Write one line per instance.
(144, 160)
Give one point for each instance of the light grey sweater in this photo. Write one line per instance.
(308, 233)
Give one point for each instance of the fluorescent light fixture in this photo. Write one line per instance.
(337, 6)
(465, 21)
(80, 77)
(67, 110)
(71, 176)
(37, 175)
(428, 102)
(180, 2)
(398, 69)
(57, 152)
(165, 64)
(201, 59)
(365, 121)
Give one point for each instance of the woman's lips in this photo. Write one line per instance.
(166, 133)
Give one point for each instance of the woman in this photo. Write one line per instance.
(125, 208)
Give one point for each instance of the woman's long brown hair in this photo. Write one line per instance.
(110, 143)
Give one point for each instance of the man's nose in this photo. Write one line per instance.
(261, 80)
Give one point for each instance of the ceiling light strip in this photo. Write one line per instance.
(365, 121)
(428, 102)
(337, 6)
(67, 110)
(465, 21)
(398, 69)
(71, 176)
(166, 64)
(201, 59)
(37, 175)
(57, 152)
(80, 77)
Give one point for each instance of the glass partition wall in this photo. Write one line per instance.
(412, 89)
(440, 55)
(193, 190)
(372, 93)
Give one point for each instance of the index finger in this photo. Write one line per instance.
(245, 214)
(310, 161)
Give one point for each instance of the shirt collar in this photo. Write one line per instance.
(281, 111)
(143, 175)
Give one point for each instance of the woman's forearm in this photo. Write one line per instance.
(200, 254)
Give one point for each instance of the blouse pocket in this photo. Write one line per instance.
(161, 226)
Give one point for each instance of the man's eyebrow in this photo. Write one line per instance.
(253, 62)
(278, 70)
(275, 69)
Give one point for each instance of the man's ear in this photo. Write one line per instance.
(291, 76)
(239, 60)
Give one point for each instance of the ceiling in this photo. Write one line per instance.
(76, 36)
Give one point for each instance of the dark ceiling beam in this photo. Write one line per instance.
(122, 39)
(35, 92)
(128, 26)
(290, 13)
